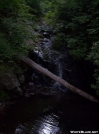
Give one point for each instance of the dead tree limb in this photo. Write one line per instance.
(58, 79)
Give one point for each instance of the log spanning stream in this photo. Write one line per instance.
(51, 114)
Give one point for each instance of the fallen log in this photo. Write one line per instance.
(58, 79)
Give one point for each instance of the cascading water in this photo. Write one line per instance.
(59, 72)
(44, 52)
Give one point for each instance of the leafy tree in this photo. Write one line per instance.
(35, 7)
(12, 8)
(14, 30)
(78, 25)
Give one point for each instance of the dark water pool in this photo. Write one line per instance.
(50, 115)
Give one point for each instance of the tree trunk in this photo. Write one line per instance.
(58, 79)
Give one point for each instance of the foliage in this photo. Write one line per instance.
(14, 29)
(94, 56)
(13, 8)
(48, 10)
(78, 27)
(17, 21)
(77, 21)
(59, 41)
(35, 7)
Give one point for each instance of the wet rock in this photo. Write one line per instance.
(19, 91)
(10, 103)
(38, 53)
(31, 84)
(45, 91)
(22, 79)
(46, 40)
(26, 95)
(31, 94)
(46, 34)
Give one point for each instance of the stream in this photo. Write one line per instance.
(59, 112)
(50, 115)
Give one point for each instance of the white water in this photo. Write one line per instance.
(59, 73)
(43, 50)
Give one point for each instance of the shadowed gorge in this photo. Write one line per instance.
(49, 67)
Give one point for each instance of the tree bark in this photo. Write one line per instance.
(58, 79)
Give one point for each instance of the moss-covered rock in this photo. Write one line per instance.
(9, 80)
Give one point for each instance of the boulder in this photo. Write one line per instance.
(22, 78)
(46, 34)
(9, 80)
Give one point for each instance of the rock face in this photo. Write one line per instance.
(10, 81)
(21, 79)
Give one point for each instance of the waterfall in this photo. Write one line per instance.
(60, 70)
(59, 73)
(45, 53)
